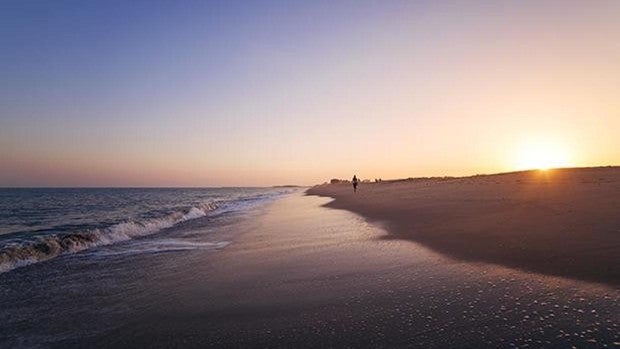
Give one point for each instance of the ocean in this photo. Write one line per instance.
(37, 225)
(75, 263)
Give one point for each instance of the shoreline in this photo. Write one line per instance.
(560, 222)
(298, 274)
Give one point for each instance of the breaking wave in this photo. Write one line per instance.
(43, 248)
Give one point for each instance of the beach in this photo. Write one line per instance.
(298, 274)
(161, 166)
(558, 222)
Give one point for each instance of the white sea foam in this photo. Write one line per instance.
(46, 247)
(164, 245)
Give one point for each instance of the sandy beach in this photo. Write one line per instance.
(302, 275)
(558, 222)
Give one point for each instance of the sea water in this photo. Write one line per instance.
(37, 225)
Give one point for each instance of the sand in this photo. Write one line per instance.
(562, 222)
(302, 275)
(307, 276)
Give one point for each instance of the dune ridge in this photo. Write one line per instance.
(561, 222)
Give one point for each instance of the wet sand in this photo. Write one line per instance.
(558, 222)
(302, 275)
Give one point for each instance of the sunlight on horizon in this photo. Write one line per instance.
(542, 154)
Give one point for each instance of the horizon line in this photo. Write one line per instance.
(301, 186)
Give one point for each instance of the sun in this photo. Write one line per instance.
(542, 155)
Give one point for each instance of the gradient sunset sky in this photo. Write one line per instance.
(221, 93)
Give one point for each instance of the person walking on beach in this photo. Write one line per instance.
(355, 181)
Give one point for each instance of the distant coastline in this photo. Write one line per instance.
(478, 175)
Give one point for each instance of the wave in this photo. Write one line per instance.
(47, 247)
(164, 245)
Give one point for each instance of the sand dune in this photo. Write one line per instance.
(562, 222)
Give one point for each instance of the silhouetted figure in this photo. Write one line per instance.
(355, 181)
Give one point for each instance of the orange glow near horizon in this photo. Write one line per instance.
(542, 155)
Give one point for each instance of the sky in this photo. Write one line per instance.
(255, 93)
